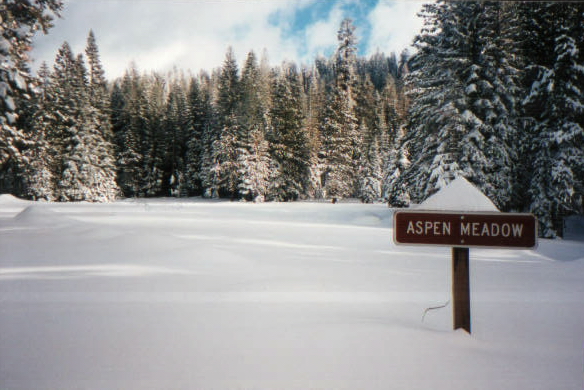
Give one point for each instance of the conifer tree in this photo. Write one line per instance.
(556, 103)
(289, 142)
(492, 89)
(395, 190)
(461, 121)
(255, 167)
(154, 143)
(39, 169)
(337, 152)
(66, 102)
(314, 106)
(198, 145)
(370, 174)
(128, 110)
(97, 85)
(87, 170)
(225, 170)
(371, 129)
(345, 59)
(252, 115)
(19, 21)
(435, 126)
(340, 138)
(178, 130)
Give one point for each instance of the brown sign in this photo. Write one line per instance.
(503, 230)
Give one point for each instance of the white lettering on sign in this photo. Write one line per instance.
(482, 229)
(471, 229)
(465, 229)
(436, 228)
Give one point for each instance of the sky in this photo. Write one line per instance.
(158, 35)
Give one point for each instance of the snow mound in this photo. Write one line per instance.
(459, 195)
(7, 199)
(41, 216)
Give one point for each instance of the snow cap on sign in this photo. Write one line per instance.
(459, 195)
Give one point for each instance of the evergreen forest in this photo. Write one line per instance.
(492, 91)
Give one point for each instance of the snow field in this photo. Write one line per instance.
(189, 294)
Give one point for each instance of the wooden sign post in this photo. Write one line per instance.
(461, 288)
(461, 231)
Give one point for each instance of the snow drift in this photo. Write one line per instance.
(159, 294)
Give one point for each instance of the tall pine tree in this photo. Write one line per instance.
(19, 21)
(128, 111)
(39, 169)
(289, 140)
(86, 169)
(338, 124)
(225, 170)
(253, 158)
(198, 144)
(462, 119)
(556, 104)
(178, 128)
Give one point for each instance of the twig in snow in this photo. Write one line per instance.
(434, 308)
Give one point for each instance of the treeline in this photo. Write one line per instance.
(260, 132)
(493, 92)
(256, 133)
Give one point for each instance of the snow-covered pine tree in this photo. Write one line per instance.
(201, 117)
(66, 90)
(347, 88)
(371, 130)
(556, 103)
(127, 106)
(225, 171)
(18, 23)
(99, 107)
(252, 107)
(87, 165)
(255, 167)
(395, 190)
(98, 89)
(178, 129)
(210, 134)
(370, 174)
(492, 88)
(390, 108)
(346, 59)
(253, 125)
(338, 124)
(154, 145)
(289, 141)
(337, 151)
(461, 121)
(314, 105)
(39, 167)
(434, 124)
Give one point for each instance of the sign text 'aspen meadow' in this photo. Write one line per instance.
(504, 230)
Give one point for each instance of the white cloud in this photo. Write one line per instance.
(195, 34)
(321, 36)
(394, 25)
(158, 35)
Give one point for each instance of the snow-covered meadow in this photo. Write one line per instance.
(191, 294)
